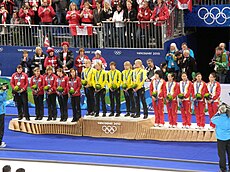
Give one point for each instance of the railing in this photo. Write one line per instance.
(110, 35)
(210, 2)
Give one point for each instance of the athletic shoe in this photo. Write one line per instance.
(3, 145)
(156, 125)
(161, 125)
(127, 114)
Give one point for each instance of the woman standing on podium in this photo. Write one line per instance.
(74, 87)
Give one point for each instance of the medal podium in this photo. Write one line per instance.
(115, 127)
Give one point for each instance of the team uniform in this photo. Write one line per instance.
(75, 83)
(199, 105)
(38, 95)
(214, 89)
(129, 99)
(49, 80)
(172, 88)
(100, 77)
(139, 77)
(21, 80)
(63, 96)
(158, 85)
(186, 88)
(88, 75)
(114, 78)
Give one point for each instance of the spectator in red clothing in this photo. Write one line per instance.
(34, 6)
(86, 15)
(92, 4)
(160, 13)
(143, 16)
(46, 13)
(3, 16)
(9, 5)
(26, 14)
(51, 59)
(73, 17)
(80, 61)
(98, 58)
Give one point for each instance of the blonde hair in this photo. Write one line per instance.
(127, 63)
(49, 68)
(72, 3)
(99, 63)
(87, 61)
(37, 48)
(138, 61)
(106, 3)
(186, 51)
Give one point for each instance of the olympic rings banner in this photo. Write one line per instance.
(208, 16)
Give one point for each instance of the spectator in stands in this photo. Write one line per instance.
(223, 46)
(151, 69)
(143, 15)
(107, 13)
(51, 59)
(60, 9)
(3, 16)
(66, 58)
(6, 168)
(164, 71)
(26, 63)
(3, 96)
(73, 16)
(15, 18)
(130, 14)
(171, 60)
(98, 59)
(188, 65)
(86, 15)
(184, 46)
(34, 6)
(118, 18)
(97, 15)
(77, 2)
(38, 60)
(26, 14)
(220, 62)
(46, 13)
(20, 170)
(80, 61)
(9, 6)
(92, 4)
(179, 60)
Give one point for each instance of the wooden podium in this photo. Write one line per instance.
(115, 127)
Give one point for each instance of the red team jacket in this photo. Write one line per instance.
(23, 81)
(188, 89)
(39, 81)
(174, 91)
(75, 83)
(47, 16)
(23, 16)
(79, 62)
(51, 61)
(214, 90)
(202, 89)
(52, 79)
(161, 88)
(63, 83)
(161, 12)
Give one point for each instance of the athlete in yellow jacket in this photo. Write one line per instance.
(126, 85)
(114, 82)
(139, 77)
(99, 83)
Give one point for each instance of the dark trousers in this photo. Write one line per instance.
(89, 93)
(39, 106)
(140, 96)
(100, 96)
(2, 121)
(129, 100)
(63, 101)
(223, 148)
(22, 104)
(115, 95)
(52, 106)
(76, 107)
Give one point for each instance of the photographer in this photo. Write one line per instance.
(222, 122)
(3, 95)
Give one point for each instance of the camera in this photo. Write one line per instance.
(4, 86)
(212, 63)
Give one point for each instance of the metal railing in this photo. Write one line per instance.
(210, 2)
(110, 35)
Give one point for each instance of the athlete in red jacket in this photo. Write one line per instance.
(62, 82)
(51, 59)
(186, 89)
(80, 61)
(75, 84)
(36, 84)
(214, 90)
(200, 88)
(19, 84)
(157, 86)
(172, 90)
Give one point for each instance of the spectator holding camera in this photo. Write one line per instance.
(3, 96)
(222, 122)
(46, 13)
(26, 14)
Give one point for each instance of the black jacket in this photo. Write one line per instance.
(106, 14)
(97, 17)
(188, 65)
(132, 15)
(38, 62)
(69, 59)
(26, 65)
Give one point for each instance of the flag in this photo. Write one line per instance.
(46, 41)
(185, 4)
(84, 30)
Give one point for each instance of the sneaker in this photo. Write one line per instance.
(156, 125)
(145, 117)
(104, 115)
(36, 118)
(187, 126)
(3, 145)
(132, 115)
(127, 114)
(161, 125)
(136, 116)
(170, 126)
(111, 114)
(96, 115)
(197, 127)
(183, 126)
(174, 126)
(117, 115)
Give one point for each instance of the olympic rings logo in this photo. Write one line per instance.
(210, 17)
(107, 129)
(117, 52)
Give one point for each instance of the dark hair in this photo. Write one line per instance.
(178, 53)
(214, 74)
(112, 63)
(198, 73)
(6, 168)
(172, 74)
(72, 69)
(219, 48)
(61, 70)
(163, 64)
(184, 43)
(149, 60)
(20, 170)
(159, 72)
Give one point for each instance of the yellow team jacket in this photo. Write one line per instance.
(114, 77)
(139, 77)
(127, 77)
(87, 74)
(99, 77)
